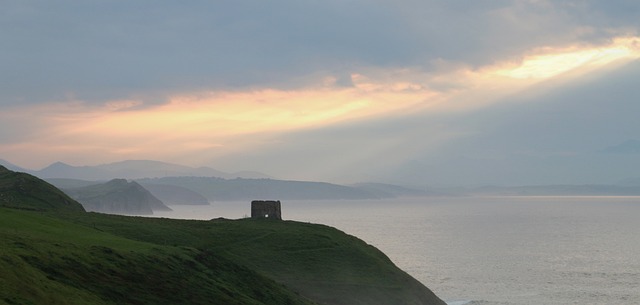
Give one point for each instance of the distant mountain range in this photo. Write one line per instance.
(177, 184)
(218, 189)
(202, 190)
(554, 190)
(382, 190)
(129, 169)
(168, 194)
(12, 167)
(176, 195)
(117, 196)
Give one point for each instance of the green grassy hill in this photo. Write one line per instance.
(46, 260)
(60, 256)
(317, 261)
(24, 191)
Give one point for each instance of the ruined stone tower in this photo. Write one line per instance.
(266, 209)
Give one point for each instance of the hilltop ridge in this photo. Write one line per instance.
(24, 191)
(54, 252)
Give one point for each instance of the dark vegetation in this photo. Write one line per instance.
(23, 191)
(54, 254)
(47, 260)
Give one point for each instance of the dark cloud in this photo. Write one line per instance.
(613, 13)
(99, 50)
(106, 49)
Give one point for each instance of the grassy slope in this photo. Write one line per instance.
(46, 260)
(23, 191)
(317, 261)
(51, 252)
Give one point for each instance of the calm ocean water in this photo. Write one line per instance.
(506, 250)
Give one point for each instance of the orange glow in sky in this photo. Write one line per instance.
(554, 62)
(224, 122)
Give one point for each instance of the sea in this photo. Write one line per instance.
(489, 250)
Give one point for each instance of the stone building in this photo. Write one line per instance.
(266, 209)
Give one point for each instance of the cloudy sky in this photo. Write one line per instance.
(437, 92)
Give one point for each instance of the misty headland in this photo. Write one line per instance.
(490, 148)
(342, 205)
(55, 252)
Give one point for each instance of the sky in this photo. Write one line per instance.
(429, 92)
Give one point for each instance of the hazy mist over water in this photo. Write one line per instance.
(509, 250)
(433, 94)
